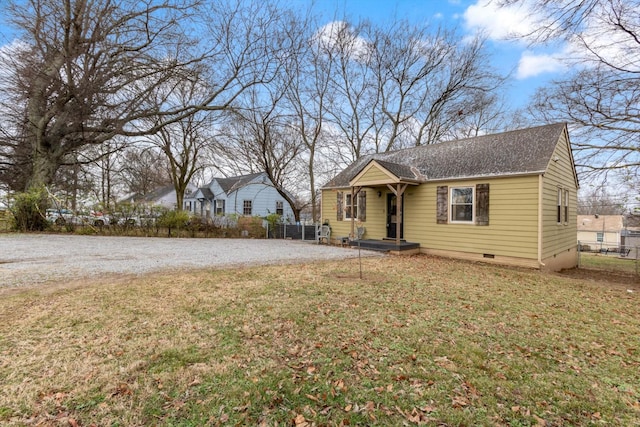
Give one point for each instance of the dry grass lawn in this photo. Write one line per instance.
(417, 341)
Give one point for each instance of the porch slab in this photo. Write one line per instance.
(386, 245)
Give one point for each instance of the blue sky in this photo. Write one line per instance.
(528, 66)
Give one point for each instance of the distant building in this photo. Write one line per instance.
(163, 196)
(601, 231)
(246, 195)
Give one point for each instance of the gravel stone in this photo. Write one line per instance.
(28, 259)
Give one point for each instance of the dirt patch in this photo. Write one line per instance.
(609, 278)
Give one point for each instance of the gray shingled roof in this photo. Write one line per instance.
(233, 183)
(159, 193)
(401, 171)
(526, 151)
(206, 193)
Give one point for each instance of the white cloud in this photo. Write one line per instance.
(532, 65)
(499, 23)
(338, 34)
(602, 36)
(514, 23)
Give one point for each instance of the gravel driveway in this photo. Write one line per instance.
(31, 259)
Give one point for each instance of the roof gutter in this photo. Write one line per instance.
(459, 178)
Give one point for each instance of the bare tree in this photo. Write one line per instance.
(184, 143)
(307, 92)
(87, 71)
(275, 128)
(143, 169)
(601, 98)
(600, 202)
(404, 85)
(260, 139)
(353, 96)
(429, 81)
(488, 115)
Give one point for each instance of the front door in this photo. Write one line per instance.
(392, 217)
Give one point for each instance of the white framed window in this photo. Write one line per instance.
(247, 207)
(599, 237)
(462, 204)
(559, 211)
(349, 208)
(219, 207)
(562, 213)
(280, 207)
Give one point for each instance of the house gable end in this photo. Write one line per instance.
(375, 173)
(216, 189)
(565, 145)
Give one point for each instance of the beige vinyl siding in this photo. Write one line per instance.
(376, 219)
(376, 213)
(513, 219)
(558, 238)
(373, 175)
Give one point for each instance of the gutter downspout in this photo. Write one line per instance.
(540, 219)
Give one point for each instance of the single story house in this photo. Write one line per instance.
(246, 195)
(601, 231)
(507, 198)
(163, 196)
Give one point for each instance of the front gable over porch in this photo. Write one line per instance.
(379, 172)
(396, 177)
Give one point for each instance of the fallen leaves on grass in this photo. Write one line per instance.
(428, 341)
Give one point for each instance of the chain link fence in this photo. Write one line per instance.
(622, 259)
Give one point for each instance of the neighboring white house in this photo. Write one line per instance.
(246, 195)
(163, 196)
(600, 231)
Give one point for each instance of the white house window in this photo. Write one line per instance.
(279, 207)
(559, 211)
(246, 207)
(462, 200)
(599, 236)
(566, 206)
(348, 207)
(219, 207)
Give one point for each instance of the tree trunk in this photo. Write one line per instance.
(296, 210)
(180, 188)
(312, 186)
(44, 170)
